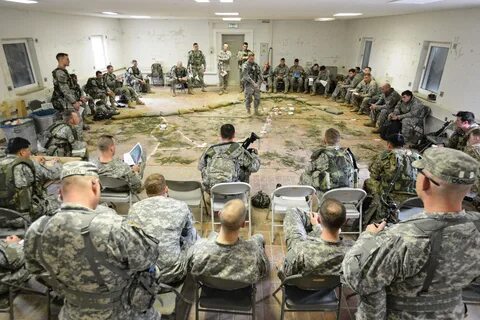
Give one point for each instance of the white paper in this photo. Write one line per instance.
(323, 82)
(263, 87)
(133, 157)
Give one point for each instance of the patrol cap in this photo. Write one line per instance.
(16, 144)
(450, 165)
(465, 116)
(79, 168)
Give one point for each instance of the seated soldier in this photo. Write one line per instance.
(62, 137)
(87, 102)
(380, 108)
(116, 85)
(296, 75)
(410, 112)
(97, 89)
(280, 74)
(331, 166)
(110, 166)
(310, 77)
(313, 242)
(463, 125)
(227, 161)
(180, 76)
(323, 76)
(135, 79)
(340, 91)
(170, 222)
(367, 89)
(22, 187)
(473, 150)
(392, 178)
(267, 76)
(227, 256)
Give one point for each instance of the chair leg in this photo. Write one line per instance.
(282, 309)
(273, 228)
(201, 217)
(10, 302)
(254, 298)
(250, 219)
(212, 213)
(49, 311)
(197, 313)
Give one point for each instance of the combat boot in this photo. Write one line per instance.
(221, 92)
(131, 105)
(369, 124)
(313, 93)
(249, 112)
(376, 130)
(355, 109)
(258, 113)
(341, 101)
(140, 102)
(225, 91)
(305, 92)
(204, 90)
(190, 91)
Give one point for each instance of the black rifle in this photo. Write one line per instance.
(253, 137)
(386, 199)
(426, 143)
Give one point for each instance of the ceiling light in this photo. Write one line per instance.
(232, 19)
(202, 0)
(140, 17)
(109, 13)
(226, 1)
(226, 13)
(414, 1)
(347, 14)
(23, 1)
(324, 19)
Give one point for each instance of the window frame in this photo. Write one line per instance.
(425, 70)
(364, 47)
(105, 52)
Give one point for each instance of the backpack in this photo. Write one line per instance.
(261, 200)
(222, 167)
(18, 199)
(50, 134)
(90, 84)
(408, 174)
(340, 171)
(157, 70)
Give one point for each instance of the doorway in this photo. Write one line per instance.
(235, 43)
(367, 50)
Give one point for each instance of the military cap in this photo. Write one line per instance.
(465, 116)
(79, 168)
(16, 144)
(450, 165)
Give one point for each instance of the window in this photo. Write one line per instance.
(433, 67)
(99, 52)
(19, 60)
(367, 50)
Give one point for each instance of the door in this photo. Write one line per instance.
(235, 43)
(367, 50)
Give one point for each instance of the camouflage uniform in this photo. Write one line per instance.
(310, 74)
(353, 85)
(341, 88)
(330, 167)
(242, 56)
(65, 141)
(280, 73)
(171, 223)
(119, 169)
(411, 115)
(63, 96)
(267, 77)
(12, 268)
(385, 105)
(366, 91)
(296, 74)
(197, 63)
(178, 73)
(322, 76)
(118, 88)
(307, 253)
(133, 77)
(458, 140)
(474, 152)
(243, 261)
(97, 89)
(224, 66)
(245, 162)
(251, 81)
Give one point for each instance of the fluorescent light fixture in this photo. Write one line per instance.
(109, 13)
(23, 1)
(232, 19)
(226, 13)
(201, 1)
(347, 14)
(140, 17)
(414, 1)
(226, 1)
(324, 19)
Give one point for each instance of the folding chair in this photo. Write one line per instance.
(352, 199)
(191, 192)
(167, 296)
(116, 190)
(409, 208)
(307, 293)
(471, 295)
(221, 193)
(224, 296)
(8, 228)
(288, 197)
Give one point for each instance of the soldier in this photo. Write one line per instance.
(416, 269)
(311, 77)
(22, 188)
(296, 74)
(62, 138)
(171, 223)
(331, 166)
(280, 74)
(97, 89)
(95, 260)
(135, 79)
(410, 111)
(340, 91)
(63, 97)
(392, 178)
(180, 76)
(473, 150)
(251, 83)
(366, 90)
(323, 76)
(110, 166)
(464, 124)
(313, 242)
(224, 68)
(227, 256)
(116, 85)
(380, 108)
(227, 161)
(242, 57)
(87, 102)
(267, 76)
(351, 87)
(197, 64)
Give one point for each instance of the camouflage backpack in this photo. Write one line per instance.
(408, 174)
(222, 167)
(340, 171)
(157, 70)
(18, 199)
(261, 200)
(90, 85)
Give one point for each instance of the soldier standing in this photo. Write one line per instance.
(197, 63)
(416, 269)
(115, 85)
(224, 68)
(63, 97)
(267, 75)
(252, 81)
(242, 57)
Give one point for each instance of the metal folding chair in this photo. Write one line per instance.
(12, 223)
(409, 208)
(116, 190)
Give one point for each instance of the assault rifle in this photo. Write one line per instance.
(433, 138)
(253, 137)
(390, 206)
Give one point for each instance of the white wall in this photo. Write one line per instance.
(398, 43)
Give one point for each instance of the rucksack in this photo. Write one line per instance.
(90, 84)
(407, 177)
(157, 70)
(222, 167)
(18, 199)
(261, 200)
(340, 172)
(50, 134)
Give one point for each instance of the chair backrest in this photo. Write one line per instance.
(9, 215)
(345, 195)
(313, 282)
(415, 202)
(221, 284)
(185, 190)
(293, 191)
(110, 184)
(230, 188)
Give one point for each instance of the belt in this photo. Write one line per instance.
(92, 299)
(431, 303)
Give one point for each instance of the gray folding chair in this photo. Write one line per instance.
(307, 293)
(116, 190)
(471, 294)
(190, 192)
(12, 223)
(352, 199)
(289, 197)
(221, 193)
(167, 297)
(409, 208)
(224, 296)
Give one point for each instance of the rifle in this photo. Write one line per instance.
(426, 143)
(386, 200)
(355, 166)
(253, 137)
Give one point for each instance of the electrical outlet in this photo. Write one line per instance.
(442, 93)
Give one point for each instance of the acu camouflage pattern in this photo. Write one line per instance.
(63, 95)
(458, 140)
(261, 200)
(133, 77)
(252, 79)
(297, 75)
(63, 139)
(474, 152)
(281, 74)
(198, 64)
(60, 249)
(171, 223)
(385, 105)
(243, 261)
(322, 76)
(224, 66)
(12, 268)
(411, 115)
(307, 253)
(353, 85)
(120, 170)
(391, 264)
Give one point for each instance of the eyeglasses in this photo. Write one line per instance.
(428, 178)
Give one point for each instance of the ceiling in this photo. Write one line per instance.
(248, 9)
